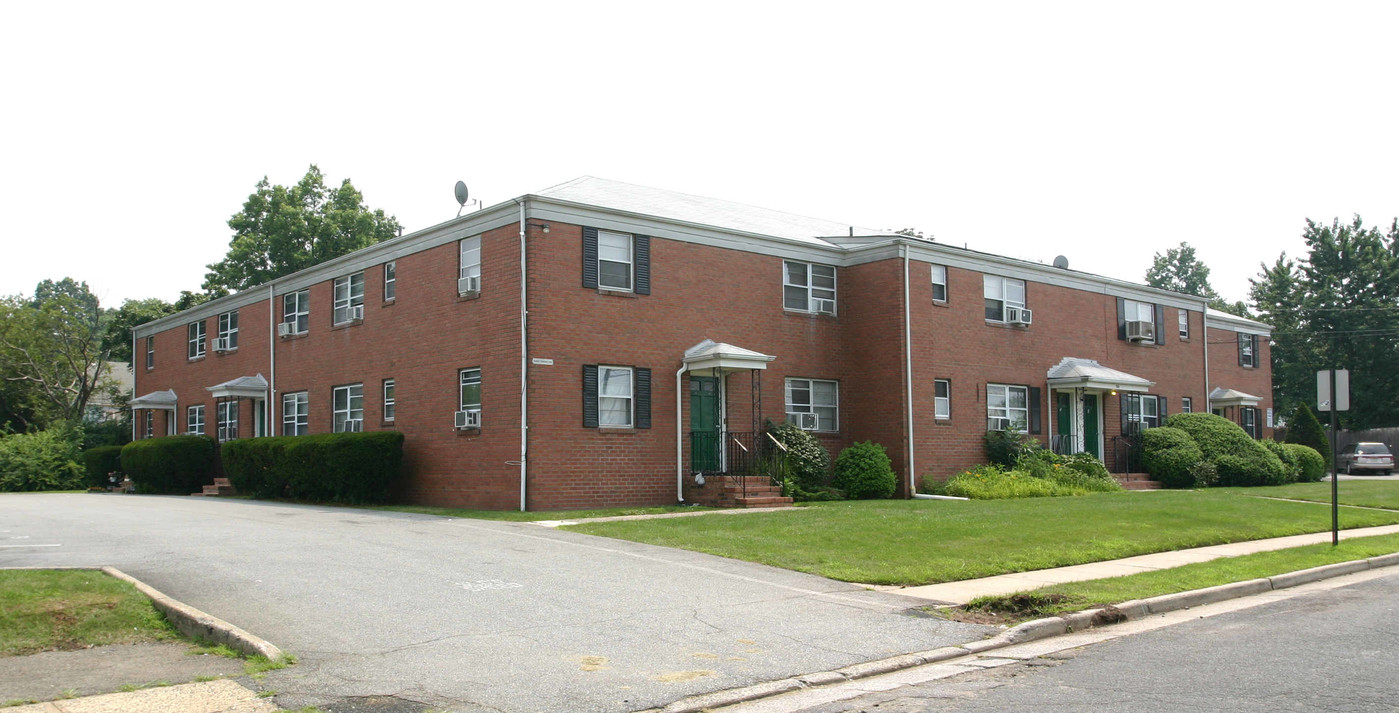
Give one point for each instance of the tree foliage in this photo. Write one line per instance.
(281, 230)
(1337, 307)
(1179, 270)
(52, 355)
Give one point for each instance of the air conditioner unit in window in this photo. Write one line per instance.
(998, 424)
(469, 419)
(1141, 331)
(469, 285)
(221, 344)
(804, 421)
(356, 313)
(286, 329)
(823, 306)
(1019, 315)
(354, 425)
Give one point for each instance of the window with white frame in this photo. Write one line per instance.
(1187, 405)
(469, 381)
(469, 265)
(226, 413)
(942, 399)
(1007, 408)
(150, 352)
(349, 298)
(1248, 350)
(390, 280)
(228, 331)
(296, 414)
(1000, 293)
(1183, 319)
(1248, 419)
(939, 283)
(196, 339)
(820, 397)
(614, 396)
(150, 423)
(296, 311)
(194, 420)
(347, 408)
(807, 287)
(614, 260)
(1144, 409)
(1134, 311)
(388, 400)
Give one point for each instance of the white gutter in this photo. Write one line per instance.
(271, 358)
(133, 379)
(524, 353)
(1205, 337)
(908, 372)
(679, 440)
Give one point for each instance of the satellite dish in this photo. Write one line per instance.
(1061, 262)
(462, 196)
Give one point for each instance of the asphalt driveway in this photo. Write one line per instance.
(468, 615)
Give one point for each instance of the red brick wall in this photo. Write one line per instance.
(1226, 373)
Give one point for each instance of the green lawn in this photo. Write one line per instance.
(1370, 494)
(914, 542)
(59, 610)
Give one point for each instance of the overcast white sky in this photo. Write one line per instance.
(1106, 132)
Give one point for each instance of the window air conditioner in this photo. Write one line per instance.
(998, 424)
(823, 306)
(286, 329)
(804, 421)
(1141, 331)
(1018, 315)
(354, 425)
(469, 419)
(221, 344)
(469, 285)
(356, 313)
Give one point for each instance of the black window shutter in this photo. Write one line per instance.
(1241, 349)
(590, 396)
(1034, 409)
(1122, 406)
(1161, 411)
(1121, 319)
(1254, 337)
(641, 255)
(643, 397)
(590, 268)
(1160, 324)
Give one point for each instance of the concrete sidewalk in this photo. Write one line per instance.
(967, 590)
(222, 696)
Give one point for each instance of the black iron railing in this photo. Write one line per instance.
(1066, 444)
(736, 455)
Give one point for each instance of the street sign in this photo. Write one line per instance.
(1323, 390)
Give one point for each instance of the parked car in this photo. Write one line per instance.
(1365, 456)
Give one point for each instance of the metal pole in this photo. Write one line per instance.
(1335, 474)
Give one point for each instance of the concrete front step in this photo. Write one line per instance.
(1136, 481)
(221, 486)
(764, 501)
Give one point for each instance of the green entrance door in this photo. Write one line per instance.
(1064, 417)
(1090, 425)
(704, 424)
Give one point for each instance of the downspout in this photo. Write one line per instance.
(524, 354)
(133, 380)
(908, 371)
(271, 358)
(679, 440)
(1205, 337)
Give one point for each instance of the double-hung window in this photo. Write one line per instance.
(469, 396)
(296, 311)
(939, 283)
(1187, 405)
(1007, 408)
(388, 400)
(196, 339)
(296, 414)
(808, 287)
(942, 399)
(614, 261)
(390, 281)
(150, 423)
(469, 266)
(1248, 350)
(349, 298)
(1144, 409)
(150, 352)
(614, 396)
(1248, 418)
(1183, 319)
(194, 420)
(228, 332)
(227, 415)
(1001, 293)
(818, 397)
(347, 408)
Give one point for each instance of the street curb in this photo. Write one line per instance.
(1029, 631)
(195, 623)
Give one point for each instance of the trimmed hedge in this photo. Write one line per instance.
(99, 462)
(1238, 459)
(43, 460)
(1168, 454)
(863, 471)
(352, 468)
(1289, 461)
(1311, 464)
(169, 465)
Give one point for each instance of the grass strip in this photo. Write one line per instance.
(1077, 596)
(65, 610)
(913, 542)
(1367, 494)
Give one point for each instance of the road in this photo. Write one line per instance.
(1335, 648)
(468, 615)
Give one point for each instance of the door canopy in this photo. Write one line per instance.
(243, 387)
(718, 358)
(1073, 373)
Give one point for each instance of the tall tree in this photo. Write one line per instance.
(51, 349)
(1179, 270)
(281, 230)
(1277, 296)
(131, 313)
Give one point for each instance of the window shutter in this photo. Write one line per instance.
(590, 396)
(1254, 337)
(590, 277)
(1161, 410)
(641, 256)
(1122, 408)
(642, 385)
(1241, 349)
(1121, 319)
(1034, 393)
(1160, 324)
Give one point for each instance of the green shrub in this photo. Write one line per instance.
(43, 460)
(1204, 475)
(1311, 464)
(1292, 469)
(1081, 470)
(352, 468)
(1168, 454)
(1004, 448)
(169, 465)
(250, 465)
(1248, 462)
(1303, 428)
(107, 433)
(863, 471)
(991, 482)
(807, 462)
(99, 462)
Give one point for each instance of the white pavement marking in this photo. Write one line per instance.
(13, 546)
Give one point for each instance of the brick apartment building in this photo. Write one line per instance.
(576, 347)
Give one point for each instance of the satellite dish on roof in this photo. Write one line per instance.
(462, 195)
(1061, 262)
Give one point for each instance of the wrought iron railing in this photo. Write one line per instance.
(1126, 453)
(736, 455)
(1066, 444)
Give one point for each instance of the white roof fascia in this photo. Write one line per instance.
(1223, 320)
(155, 401)
(711, 355)
(1231, 397)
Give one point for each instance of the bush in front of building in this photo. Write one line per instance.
(250, 466)
(806, 463)
(863, 471)
(1311, 464)
(1080, 471)
(1289, 461)
(1036, 474)
(1004, 448)
(99, 463)
(1303, 428)
(169, 465)
(1238, 459)
(1168, 454)
(351, 468)
(43, 460)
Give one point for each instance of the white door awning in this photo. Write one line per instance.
(1073, 373)
(156, 401)
(710, 354)
(243, 387)
(1222, 397)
